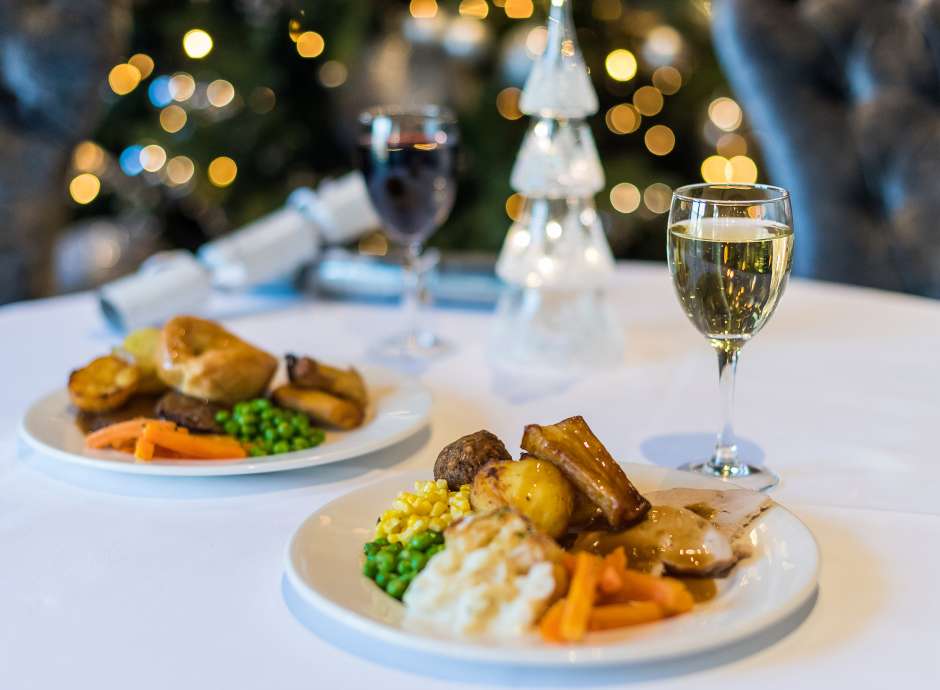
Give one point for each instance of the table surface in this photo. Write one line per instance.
(113, 581)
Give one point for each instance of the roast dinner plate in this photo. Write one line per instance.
(398, 407)
(324, 566)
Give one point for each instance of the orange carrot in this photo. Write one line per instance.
(194, 446)
(665, 591)
(622, 615)
(580, 599)
(143, 449)
(610, 580)
(122, 432)
(549, 625)
(568, 560)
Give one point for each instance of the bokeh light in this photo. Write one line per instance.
(621, 64)
(667, 79)
(181, 86)
(129, 160)
(663, 44)
(152, 157)
(660, 140)
(725, 114)
(88, 157)
(623, 119)
(518, 9)
(743, 169)
(736, 169)
(180, 169)
(123, 78)
(143, 63)
(220, 93)
(507, 103)
(222, 171)
(159, 92)
(536, 40)
(197, 43)
(514, 206)
(172, 118)
(423, 9)
(84, 188)
(262, 100)
(333, 73)
(294, 29)
(607, 10)
(625, 197)
(648, 100)
(730, 145)
(657, 197)
(310, 44)
(474, 8)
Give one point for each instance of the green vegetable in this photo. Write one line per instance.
(394, 566)
(370, 569)
(385, 561)
(266, 429)
(281, 447)
(396, 587)
(222, 416)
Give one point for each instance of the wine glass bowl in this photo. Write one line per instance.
(730, 248)
(408, 159)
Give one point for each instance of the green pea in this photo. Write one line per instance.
(231, 428)
(277, 418)
(396, 587)
(370, 547)
(405, 554)
(438, 537)
(408, 577)
(249, 418)
(421, 542)
(249, 430)
(281, 447)
(256, 452)
(241, 408)
(299, 443)
(381, 541)
(418, 561)
(285, 430)
(393, 549)
(222, 416)
(370, 569)
(404, 567)
(385, 561)
(301, 422)
(316, 436)
(434, 550)
(261, 404)
(381, 579)
(270, 435)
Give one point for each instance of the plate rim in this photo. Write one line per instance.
(286, 462)
(597, 655)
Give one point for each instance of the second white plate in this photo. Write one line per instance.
(324, 561)
(399, 407)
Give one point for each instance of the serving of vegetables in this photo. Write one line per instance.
(269, 430)
(392, 566)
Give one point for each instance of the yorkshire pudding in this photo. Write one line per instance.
(201, 359)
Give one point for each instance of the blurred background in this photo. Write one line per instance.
(130, 127)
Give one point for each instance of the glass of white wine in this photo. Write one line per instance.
(730, 247)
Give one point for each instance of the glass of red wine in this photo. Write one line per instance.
(408, 157)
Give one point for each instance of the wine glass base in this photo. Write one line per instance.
(746, 476)
(412, 347)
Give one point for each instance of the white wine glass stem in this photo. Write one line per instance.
(725, 459)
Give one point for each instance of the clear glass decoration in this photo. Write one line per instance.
(553, 317)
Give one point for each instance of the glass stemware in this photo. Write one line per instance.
(730, 247)
(408, 158)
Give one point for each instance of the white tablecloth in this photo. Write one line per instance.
(111, 581)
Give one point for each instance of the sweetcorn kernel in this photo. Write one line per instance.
(430, 506)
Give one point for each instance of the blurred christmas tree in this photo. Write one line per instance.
(223, 107)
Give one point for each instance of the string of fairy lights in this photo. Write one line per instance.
(655, 57)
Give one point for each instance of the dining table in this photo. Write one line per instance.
(112, 580)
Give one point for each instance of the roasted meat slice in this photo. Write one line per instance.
(306, 372)
(575, 450)
(193, 413)
(459, 461)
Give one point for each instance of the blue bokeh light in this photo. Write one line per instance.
(159, 91)
(129, 160)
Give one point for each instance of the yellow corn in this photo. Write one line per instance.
(430, 506)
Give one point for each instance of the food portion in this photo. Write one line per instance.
(572, 447)
(104, 384)
(458, 462)
(558, 543)
(194, 391)
(535, 488)
(201, 359)
(496, 577)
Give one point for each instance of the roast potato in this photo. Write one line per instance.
(458, 462)
(141, 347)
(104, 384)
(535, 488)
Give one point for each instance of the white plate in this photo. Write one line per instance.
(324, 561)
(399, 407)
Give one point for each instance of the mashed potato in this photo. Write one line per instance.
(495, 578)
